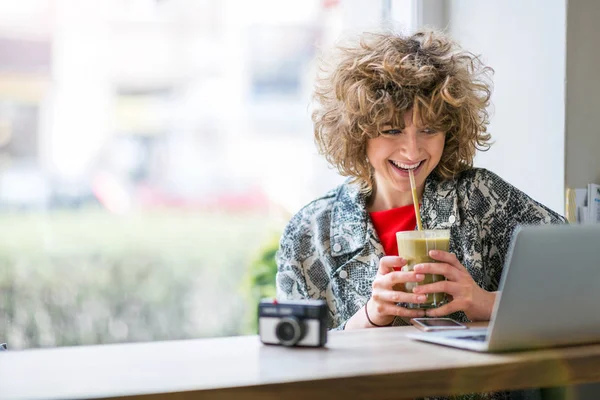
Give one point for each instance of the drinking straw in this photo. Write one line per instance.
(413, 188)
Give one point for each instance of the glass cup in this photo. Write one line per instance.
(414, 247)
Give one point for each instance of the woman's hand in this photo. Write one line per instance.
(382, 307)
(463, 291)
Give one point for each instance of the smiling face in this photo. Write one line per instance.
(393, 153)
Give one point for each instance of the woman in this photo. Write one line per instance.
(393, 104)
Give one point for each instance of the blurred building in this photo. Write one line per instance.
(136, 103)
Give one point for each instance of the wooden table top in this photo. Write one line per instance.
(371, 363)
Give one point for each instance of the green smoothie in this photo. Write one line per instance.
(414, 247)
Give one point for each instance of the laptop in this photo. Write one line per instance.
(550, 292)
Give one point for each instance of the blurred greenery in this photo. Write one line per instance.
(260, 280)
(89, 277)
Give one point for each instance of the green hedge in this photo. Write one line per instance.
(89, 278)
(260, 281)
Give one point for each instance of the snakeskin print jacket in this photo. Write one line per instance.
(330, 249)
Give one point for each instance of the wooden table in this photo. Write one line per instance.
(370, 364)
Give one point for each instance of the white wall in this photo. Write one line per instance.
(361, 15)
(583, 86)
(524, 41)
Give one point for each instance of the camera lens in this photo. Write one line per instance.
(289, 331)
(286, 331)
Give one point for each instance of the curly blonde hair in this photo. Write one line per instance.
(374, 83)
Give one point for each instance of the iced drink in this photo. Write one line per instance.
(414, 247)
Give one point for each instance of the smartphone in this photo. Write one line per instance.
(436, 324)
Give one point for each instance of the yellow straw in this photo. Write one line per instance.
(413, 188)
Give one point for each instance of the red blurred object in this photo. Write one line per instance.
(130, 173)
(330, 3)
(250, 200)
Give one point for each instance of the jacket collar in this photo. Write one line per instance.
(351, 225)
(349, 219)
(440, 203)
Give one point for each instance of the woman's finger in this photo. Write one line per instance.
(396, 296)
(394, 278)
(444, 310)
(393, 309)
(405, 312)
(448, 287)
(404, 276)
(446, 257)
(439, 268)
(389, 264)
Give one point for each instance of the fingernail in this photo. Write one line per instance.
(418, 267)
(421, 298)
(416, 289)
(420, 277)
(433, 252)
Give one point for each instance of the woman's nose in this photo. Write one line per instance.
(411, 147)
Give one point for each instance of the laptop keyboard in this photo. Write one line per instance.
(478, 338)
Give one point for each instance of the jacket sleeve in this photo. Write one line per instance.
(297, 251)
(506, 208)
(290, 280)
(515, 207)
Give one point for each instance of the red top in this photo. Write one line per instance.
(388, 222)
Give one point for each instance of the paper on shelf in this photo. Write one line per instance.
(593, 203)
(582, 206)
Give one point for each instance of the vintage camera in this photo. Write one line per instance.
(293, 323)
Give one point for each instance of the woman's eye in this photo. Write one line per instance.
(392, 132)
(429, 131)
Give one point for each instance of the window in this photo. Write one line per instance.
(151, 152)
